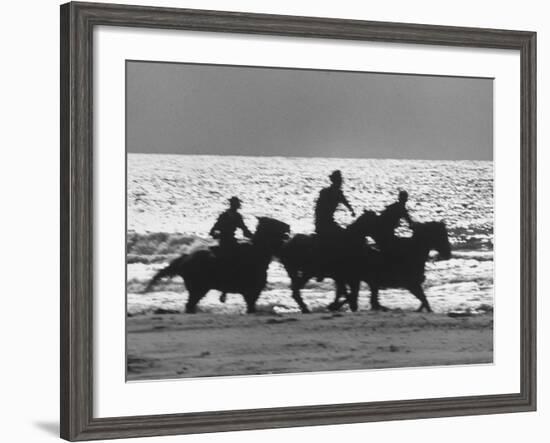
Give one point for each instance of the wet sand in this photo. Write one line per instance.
(175, 345)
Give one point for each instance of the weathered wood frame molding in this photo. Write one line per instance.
(77, 23)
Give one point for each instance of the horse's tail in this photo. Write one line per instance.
(174, 268)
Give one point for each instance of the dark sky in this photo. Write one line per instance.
(204, 109)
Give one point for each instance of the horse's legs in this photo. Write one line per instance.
(193, 300)
(340, 292)
(297, 284)
(250, 303)
(418, 292)
(251, 298)
(354, 295)
(374, 303)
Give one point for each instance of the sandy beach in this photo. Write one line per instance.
(174, 345)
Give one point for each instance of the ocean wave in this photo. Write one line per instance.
(477, 255)
(174, 200)
(160, 247)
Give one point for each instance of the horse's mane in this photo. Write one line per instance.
(364, 215)
(272, 223)
(270, 227)
(425, 227)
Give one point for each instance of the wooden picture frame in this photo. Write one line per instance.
(77, 23)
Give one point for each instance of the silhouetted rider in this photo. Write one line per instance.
(327, 203)
(224, 230)
(391, 217)
(330, 246)
(227, 223)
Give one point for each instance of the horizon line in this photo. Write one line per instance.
(313, 157)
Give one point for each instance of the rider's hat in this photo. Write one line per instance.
(335, 175)
(234, 200)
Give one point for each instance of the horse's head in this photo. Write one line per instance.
(271, 232)
(365, 224)
(434, 236)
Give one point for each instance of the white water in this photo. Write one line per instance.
(174, 200)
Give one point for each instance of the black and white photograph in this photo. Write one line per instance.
(294, 220)
(254, 222)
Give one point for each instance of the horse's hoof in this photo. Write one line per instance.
(379, 308)
(333, 307)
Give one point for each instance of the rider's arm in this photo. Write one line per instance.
(215, 229)
(246, 231)
(345, 202)
(407, 217)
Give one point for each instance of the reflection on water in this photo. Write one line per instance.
(173, 201)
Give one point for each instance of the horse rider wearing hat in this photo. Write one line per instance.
(326, 205)
(391, 217)
(329, 232)
(224, 230)
(227, 223)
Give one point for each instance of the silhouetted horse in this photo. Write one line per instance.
(245, 272)
(402, 266)
(306, 256)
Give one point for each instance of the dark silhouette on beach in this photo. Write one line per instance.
(227, 223)
(245, 274)
(224, 231)
(303, 258)
(326, 205)
(343, 254)
(390, 218)
(330, 241)
(402, 267)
